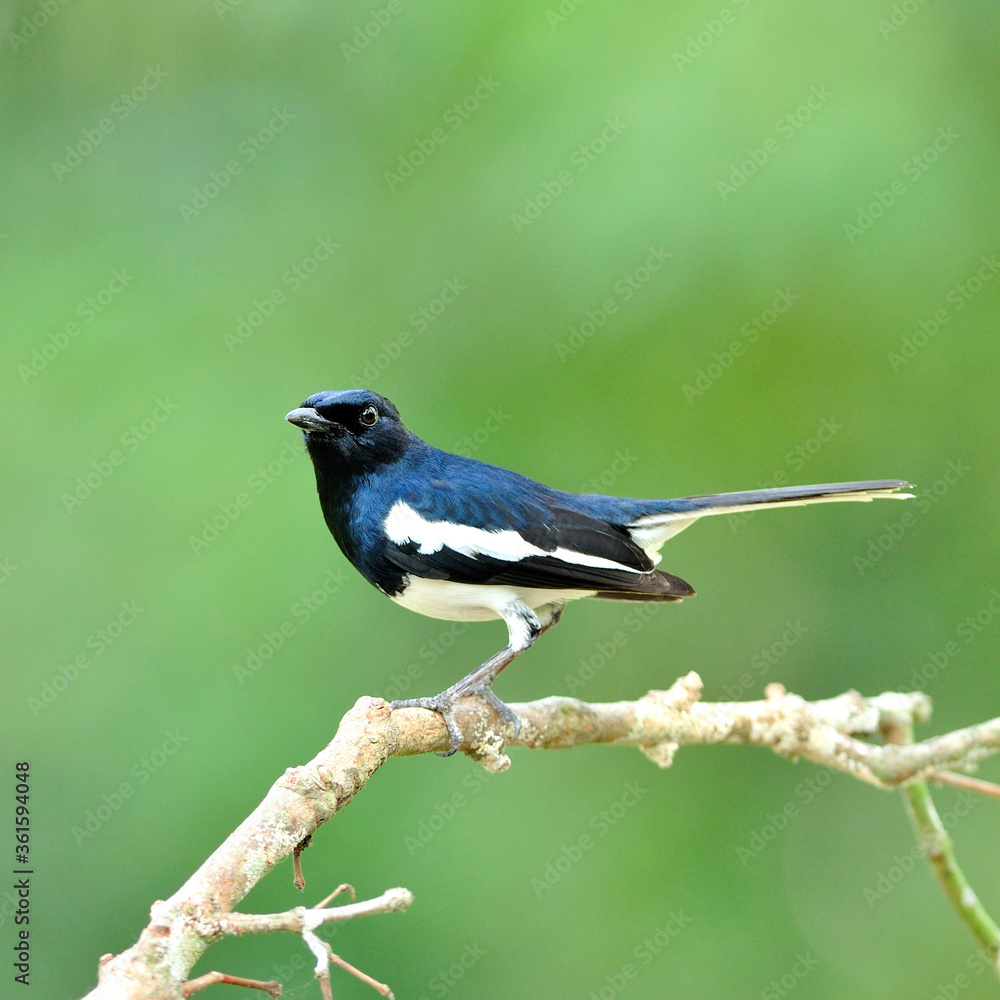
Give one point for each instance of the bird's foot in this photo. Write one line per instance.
(444, 705)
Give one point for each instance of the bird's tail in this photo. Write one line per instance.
(654, 526)
(794, 496)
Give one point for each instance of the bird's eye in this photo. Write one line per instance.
(369, 415)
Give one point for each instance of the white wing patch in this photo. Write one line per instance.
(403, 524)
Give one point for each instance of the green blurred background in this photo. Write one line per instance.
(185, 169)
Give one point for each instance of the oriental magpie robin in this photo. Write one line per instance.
(458, 539)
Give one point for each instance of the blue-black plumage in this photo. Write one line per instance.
(457, 538)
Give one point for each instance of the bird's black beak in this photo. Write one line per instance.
(310, 420)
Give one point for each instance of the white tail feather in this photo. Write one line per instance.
(652, 530)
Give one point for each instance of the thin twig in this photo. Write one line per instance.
(298, 879)
(939, 851)
(343, 887)
(363, 976)
(303, 918)
(324, 984)
(305, 921)
(964, 781)
(271, 987)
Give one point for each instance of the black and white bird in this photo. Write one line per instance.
(458, 539)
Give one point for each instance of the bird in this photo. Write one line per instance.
(455, 538)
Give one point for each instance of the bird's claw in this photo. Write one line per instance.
(444, 705)
(501, 708)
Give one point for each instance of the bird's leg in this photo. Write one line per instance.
(524, 626)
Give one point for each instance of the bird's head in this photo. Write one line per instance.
(355, 430)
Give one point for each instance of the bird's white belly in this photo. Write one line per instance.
(467, 602)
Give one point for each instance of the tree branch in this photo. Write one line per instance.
(302, 918)
(825, 732)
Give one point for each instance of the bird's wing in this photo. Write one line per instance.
(533, 542)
